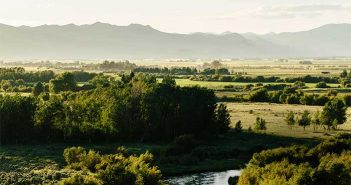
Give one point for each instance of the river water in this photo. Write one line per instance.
(207, 178)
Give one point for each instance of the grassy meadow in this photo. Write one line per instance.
(275, 115)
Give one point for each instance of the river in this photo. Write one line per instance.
(206, 178)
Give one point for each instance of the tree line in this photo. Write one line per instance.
(139, 109)
(18, 80)
(291, 95)
(19, 73)
(256, 79)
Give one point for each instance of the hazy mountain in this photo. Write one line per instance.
(105, 41)
(328, 40)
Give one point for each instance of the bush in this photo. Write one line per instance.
(238, 127)
(73, 155)
(326, 164)
(78, 179)
(260, 124)
(260, 95)
(111, 168)
(322, 85)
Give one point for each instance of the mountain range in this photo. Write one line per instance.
(106, 41)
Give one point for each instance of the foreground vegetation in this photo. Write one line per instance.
(168, 124)
(183, 156)
(136, 109)
(326, 164)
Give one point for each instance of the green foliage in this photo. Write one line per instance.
(260, 124)
(112, 66)
(19, 73)
(238, 126)
(326, 164)
(316, 121)
(81, 76)
(78, 179)
(139, 109)
(222, 118)
(260, 95)
(343, 74)
(347, 100)
(167, 71)
(333, 110)
(16, 119)
(116, 168)
(322, 85)
(305, 119)
(38, 89)
(100, 81)
(63, 82)
(290, 119)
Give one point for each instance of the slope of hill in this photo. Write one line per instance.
(106, 41)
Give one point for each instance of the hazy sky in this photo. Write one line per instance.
(182, 16)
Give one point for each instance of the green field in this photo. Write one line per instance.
(275, 114)
(220, 85)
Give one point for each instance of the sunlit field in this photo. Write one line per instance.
(275, 115)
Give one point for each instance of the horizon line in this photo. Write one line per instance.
(189, 33)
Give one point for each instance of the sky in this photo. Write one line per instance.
(182, 16)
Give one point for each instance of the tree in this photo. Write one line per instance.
(38, 89)
(260, 95)
(316, 121)
(100, 81)
(238, 126)
(223, 118)
(321, 85)
(305, 119)
(343, 74)
(260, 124)
(333, 111)
(290, 119)
(63, 82)
(168, 80)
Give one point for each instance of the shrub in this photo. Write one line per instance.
(260, 124)
(73, 154)
(326, 164)
(78, 179)
(238, 126)
(322, 85)
(260, 95)
(112, 168)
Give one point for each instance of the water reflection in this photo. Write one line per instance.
(208, 178)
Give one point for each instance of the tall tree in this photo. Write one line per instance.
(290, 119)
(333, 111)
(38, 89)
(305, 119)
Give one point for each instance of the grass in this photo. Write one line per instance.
(220, 85)
(230, 151)
(275, 115)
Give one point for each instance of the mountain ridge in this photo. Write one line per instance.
(136, 41)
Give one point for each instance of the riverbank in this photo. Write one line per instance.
(204, 178)
(229, 151)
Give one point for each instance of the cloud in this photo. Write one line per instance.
(308, 8)
(290, 11)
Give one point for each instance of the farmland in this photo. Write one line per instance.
(148, 100)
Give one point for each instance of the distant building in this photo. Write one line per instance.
(325, 72)
(282, 60)
(305, 62)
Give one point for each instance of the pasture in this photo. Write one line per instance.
(275, 115)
